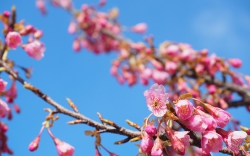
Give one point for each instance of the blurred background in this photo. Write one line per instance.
(223, 27)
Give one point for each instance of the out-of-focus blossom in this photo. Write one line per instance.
(13, 39)
(140, 28)
(236, 63)
(35, 49)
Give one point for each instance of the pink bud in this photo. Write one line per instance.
(38, 34)
(6, 14)
(171, 67)
(13, 39)
(151, 130)
(102, 3)
(195, 123)
(184, 109)
(40, 4)
(77, 45)
(211, 89)
(146, 143)
(157, 148)
(160, 77)
(171, 50)
(72, 27)
(4, 108)
(35, 49)
(2, 85)
(3, 127)
(236, 63)
(140, 28)
(34, 144)
(17, 108)
(63, 148)
(66, 4)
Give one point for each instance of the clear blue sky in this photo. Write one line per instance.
(222, 27)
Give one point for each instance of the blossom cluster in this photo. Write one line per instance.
(14, 33)
(206, 120)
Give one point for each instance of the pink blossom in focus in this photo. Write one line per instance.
(35, 49)
(34, 144)
(159, 77)
(40, 4)
(72, 27)
(184, 109)
(140, 28)
(13, 39)
(151, 130)
(171, 67)
(63, 148)
(222, 117)
(2, 85)
(4, 108)
(236, 63)
(183, 137)
(195, 123)
(146, 143)
(211, 142)
(157, 98)
(157, 148)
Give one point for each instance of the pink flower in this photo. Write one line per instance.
(151, 130)
(236, 63)
(35, 49)
(140, 28)
(157, 148)
(77, 45)
(222, 117)
(211, 89)
(72, 27)
(172, 50)
(171, 67)
(233, 139)
(208, 119)
(211, 142)
(13, 39)
(40, 4)
(66, 4)
(2, 85)
(157, 98)
(11, 94)
(34, 144)
(183, 137)
(184, 109)
(146, 143)
(199, 69)
(195, 123)
(63, 148)
(4, 108)
(159, 77)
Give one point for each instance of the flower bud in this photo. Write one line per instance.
(34, 144)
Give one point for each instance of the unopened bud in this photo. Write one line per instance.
(34, 144)
(17, 108)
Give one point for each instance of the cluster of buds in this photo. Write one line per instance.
(204, 120)
(63, 148)
(14, 32)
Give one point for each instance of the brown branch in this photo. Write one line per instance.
(61, 109)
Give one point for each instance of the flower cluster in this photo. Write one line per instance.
(15, 31)
(203, 120)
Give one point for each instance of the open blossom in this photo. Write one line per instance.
(2, 85)
(233, 139)
(13, 39)
(146, 143)
(35, 49)
(156, 98)
(184, 109)
(140, 28)
(211, 141)
(4, 108)
(171, 67)
(208, 119)
(63, 148)
(157, 148)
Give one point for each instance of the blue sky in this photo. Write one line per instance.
(223, 27)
